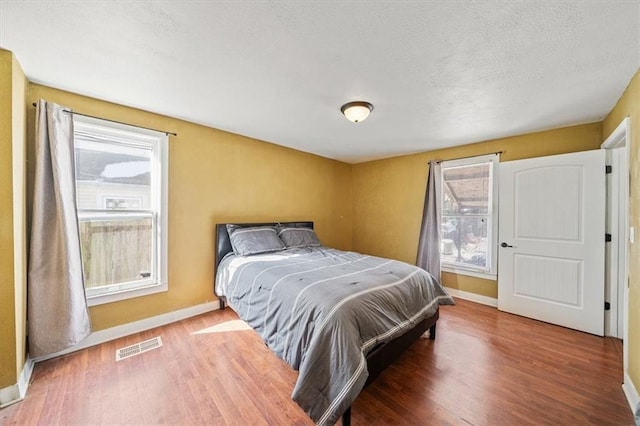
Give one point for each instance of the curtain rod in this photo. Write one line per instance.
(118, 122)
(469, 156)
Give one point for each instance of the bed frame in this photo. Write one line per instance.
(380, 356)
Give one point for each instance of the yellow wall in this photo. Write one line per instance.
(12, 219)
(629, 105)
(389, 193)
(215, 177)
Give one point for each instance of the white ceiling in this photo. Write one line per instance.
(439, 73)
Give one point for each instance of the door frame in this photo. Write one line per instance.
(620, 138)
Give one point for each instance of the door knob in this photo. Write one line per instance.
(505, 245)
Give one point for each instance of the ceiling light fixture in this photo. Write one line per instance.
(356, 111)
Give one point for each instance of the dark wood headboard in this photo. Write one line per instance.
(223, 243)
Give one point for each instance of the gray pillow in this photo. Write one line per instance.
(298, 237)
(254, 240)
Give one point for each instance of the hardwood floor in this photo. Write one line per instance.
(485, 368)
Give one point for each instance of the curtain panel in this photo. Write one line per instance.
(429, 241)
(57, 306)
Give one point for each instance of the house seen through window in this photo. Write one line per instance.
(121, 200)
(469, 210)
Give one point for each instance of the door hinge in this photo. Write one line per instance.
(607, 306)
(608, 169)
(607, 238)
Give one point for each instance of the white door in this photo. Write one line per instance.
(551, 233)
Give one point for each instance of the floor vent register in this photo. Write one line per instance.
(138, 348)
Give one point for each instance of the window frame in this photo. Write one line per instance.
(490, 272)
(131, 135)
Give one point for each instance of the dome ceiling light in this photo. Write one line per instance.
(356, 111)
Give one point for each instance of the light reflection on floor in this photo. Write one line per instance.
(223, 327)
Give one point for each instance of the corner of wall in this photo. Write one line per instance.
(13, 258)
(20, 244)
(352, 218)
(16, 393)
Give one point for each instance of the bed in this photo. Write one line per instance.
(339, 318)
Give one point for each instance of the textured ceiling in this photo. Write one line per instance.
(439, 73)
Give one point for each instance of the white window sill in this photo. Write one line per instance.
(468, 272)
(127, 294)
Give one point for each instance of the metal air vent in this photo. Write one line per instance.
(138, 348)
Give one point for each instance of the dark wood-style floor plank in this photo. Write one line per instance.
(485, 368)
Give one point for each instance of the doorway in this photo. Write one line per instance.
(617, 279)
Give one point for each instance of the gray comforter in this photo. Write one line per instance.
(322, 310)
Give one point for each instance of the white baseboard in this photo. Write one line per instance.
(478, 298)
(113, 333)
(631, 393)
(16, 393)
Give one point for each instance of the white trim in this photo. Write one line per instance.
(91, 129)
(25, 377)
(613, 269)
(127, 293)
(468, 272)
(113, 333)
(16, 393)
(621, 138)
(618, 137)
(631, 393)
(473, 297)
(492, 231)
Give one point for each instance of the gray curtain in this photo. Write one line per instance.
(429, 242)
(57, 306)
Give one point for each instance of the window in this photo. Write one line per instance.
(469, 216)
(121, 191)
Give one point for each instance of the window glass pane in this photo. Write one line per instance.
(112, 176)
(466, 189)
(464, 240)
(116, 251)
